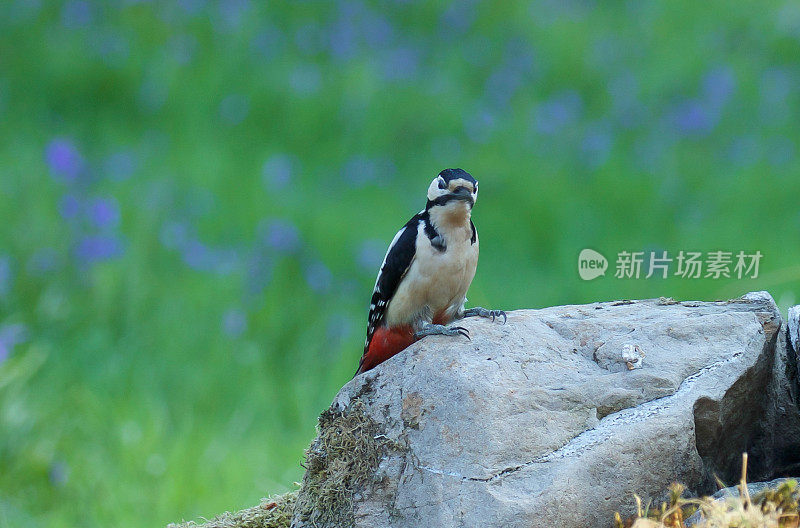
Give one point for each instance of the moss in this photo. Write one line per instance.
(339, 464)
(273, 512)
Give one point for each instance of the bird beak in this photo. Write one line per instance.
(463, 193)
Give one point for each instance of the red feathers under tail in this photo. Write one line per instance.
(385, 343)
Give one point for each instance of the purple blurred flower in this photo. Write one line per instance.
(104, 213)
(232, 13)
(693, 117)
(362, 170)
(343, 37)
(110, 46)
(120, 165)
(58, 474)
(515, 70)
(305, 79)
(76, 13)
(775, 87)
(44, 260)
(277, 171)
(607, 52)
(596, 145)
(225, 261)
(501, 86)
(202, 257)
(339, 328)
(11, 335)
(234, 322)
(197, 255)
(5, 276)
(400, 63)
(192, 6)
(64, 160)
(98, 248)
(268, 42)
(153, 93)
(175, 235)
(459, 16)
(370, 255)
(623, 88)
(479, 125)
(280, 235)
(718, 86)
(377, 30)
(561, 110)
(4, 352)
(69, 206)
(318, 277)
(259, 272)
(626, 109)
(234, 109)
(182, 48)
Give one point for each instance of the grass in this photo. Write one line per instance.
(196, 197)
(774, 507)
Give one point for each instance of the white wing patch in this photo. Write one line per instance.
(391, 245)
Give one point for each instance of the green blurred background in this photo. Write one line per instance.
(195, 197)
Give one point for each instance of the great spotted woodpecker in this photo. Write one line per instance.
(423, 281)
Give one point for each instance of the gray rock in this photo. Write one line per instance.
(548, 420)
(793, 327)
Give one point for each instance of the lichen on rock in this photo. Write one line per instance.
(341, 462)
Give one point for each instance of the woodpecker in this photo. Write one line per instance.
(423, 281)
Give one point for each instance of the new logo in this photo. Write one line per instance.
(591, 264)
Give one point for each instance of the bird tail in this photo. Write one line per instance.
(385, 343)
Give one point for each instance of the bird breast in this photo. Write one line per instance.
(437, 281)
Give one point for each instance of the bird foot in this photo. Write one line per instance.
(483, 312)
(437, 329)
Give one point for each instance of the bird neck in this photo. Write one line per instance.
(451, 216)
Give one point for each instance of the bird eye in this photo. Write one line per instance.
(442, 184)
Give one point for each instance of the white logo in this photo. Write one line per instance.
(591, 264)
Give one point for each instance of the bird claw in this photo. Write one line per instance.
(498, 314)
(434, 329)
(483, 312)
(462, 331)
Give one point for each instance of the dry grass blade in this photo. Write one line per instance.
(774, 507)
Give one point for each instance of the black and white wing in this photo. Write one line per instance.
(395, 265)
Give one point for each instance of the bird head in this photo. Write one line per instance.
(453, 188)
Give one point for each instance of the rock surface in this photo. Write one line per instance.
(549, 421)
